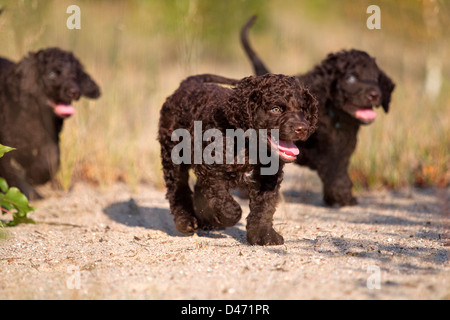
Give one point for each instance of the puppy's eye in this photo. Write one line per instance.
(277, 109)
(52, 75)
(351, 79)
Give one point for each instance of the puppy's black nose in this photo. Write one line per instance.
(302, 131)
(73, 93)
(373, 95)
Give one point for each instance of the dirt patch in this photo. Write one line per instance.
(117, 244)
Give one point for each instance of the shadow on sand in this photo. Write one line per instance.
(158, 218)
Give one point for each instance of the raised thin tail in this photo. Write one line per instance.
(212, 78)
(258, 66)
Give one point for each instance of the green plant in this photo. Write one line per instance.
(12, 201)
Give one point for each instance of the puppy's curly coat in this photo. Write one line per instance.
(263, 102)
(35, 97)
(347, 85)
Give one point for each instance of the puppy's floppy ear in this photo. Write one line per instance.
(386, 87)
(88, 86)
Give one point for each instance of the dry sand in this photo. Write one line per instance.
(111, 243)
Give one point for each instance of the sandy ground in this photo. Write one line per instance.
(93, 243)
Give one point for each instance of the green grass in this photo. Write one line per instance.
(139, 51)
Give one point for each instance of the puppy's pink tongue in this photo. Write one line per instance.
(366, 114)
(288, 147)
(63, 110)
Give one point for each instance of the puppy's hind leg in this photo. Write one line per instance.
(179, 195)
(215, 206)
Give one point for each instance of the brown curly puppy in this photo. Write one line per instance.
(35, 97)
(264, 102)
(347, 85)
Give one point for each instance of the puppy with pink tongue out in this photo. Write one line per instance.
(63, 110)
(36, 95)
(347, 85)
(287, 150)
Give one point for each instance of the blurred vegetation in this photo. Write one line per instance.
(4, 234)
(139, 51)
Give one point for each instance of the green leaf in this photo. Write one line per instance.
(18, 200)
(4, 149)
(3, 185)
(19, 220)
(16, 203)
(12, 200)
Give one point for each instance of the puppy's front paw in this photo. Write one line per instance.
(264, 237)
(342, 200)
(186, 224)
